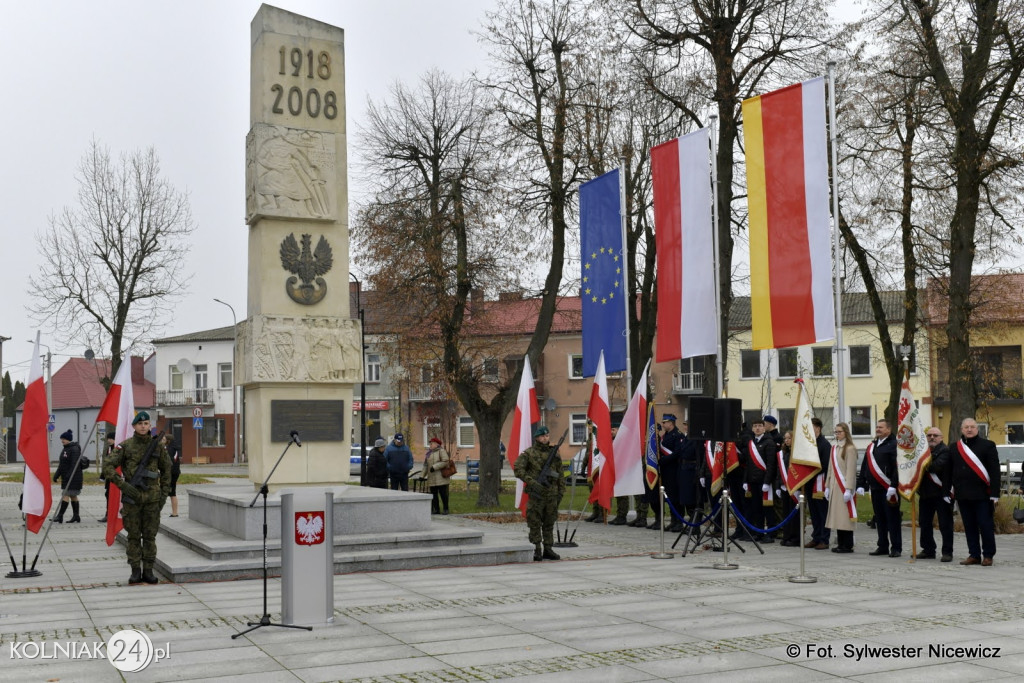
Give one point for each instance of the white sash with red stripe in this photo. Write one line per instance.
(755, 456)
(819, 487)
(876, 471)
(709, 455)
(974, 463)
(837, 472)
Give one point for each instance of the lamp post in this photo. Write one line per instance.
(3, 432)
(362, 384)
(234, 386)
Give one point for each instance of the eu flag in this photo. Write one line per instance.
(602, 281)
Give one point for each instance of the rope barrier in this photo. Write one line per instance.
(709, 517)
(758, 530)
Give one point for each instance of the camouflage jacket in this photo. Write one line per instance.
(529, 465)
(128, 454)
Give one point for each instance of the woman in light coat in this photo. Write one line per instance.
(838, 510)
(437, 458)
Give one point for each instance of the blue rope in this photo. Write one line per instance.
(709, 517)
(759, 530)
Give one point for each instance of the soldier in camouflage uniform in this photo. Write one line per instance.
(542, 507)
(141, 506)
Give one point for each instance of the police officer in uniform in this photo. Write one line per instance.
(140, 506)
(542, 506)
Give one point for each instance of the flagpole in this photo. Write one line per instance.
(625, 254)
(837, 287)
(719, 371)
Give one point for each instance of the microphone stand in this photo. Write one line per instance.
(265, 619)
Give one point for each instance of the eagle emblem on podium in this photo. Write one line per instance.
(309, 528)
(308, 265)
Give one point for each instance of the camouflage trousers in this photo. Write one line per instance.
(642, 506)
(141, 522)
(541, 513)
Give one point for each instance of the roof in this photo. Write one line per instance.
(856, 309)
(77, 384)
(216, 334)
(994, 298)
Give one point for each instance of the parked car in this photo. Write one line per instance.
(354, 461)
(1011, 456)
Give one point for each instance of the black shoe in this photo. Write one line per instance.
(537, 554)
(895, 553)
(639, 522)
(136, 576)
(593, 517)
(148, 576)
(841, 549)
(445, 512)
(879, 552)
(75, 520)
(550, 554)
(58, 520)
(675, 527)
(947, 558)
(103, 520)
(871, 524)
(655, 524)
(926, 555)
(618, 521)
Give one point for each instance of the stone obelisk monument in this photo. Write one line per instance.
(299, 352)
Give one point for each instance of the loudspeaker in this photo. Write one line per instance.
(728, 419)
(702, 417)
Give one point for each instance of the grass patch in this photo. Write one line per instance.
(91, 478)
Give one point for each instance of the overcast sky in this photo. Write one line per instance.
(175, 76)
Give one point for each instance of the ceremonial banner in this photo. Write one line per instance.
(804, 463)
(651, 473)
(36, 497)
(526, 415)
(684, 236)
(912, 450)
(119, 410)
(789, 227)
(628, 445)
(599, 422)
(603, 276)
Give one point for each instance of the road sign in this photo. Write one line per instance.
(53, 418)
(50, 427)
(197, 412)
(197, 422)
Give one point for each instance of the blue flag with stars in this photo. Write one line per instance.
(602, 281)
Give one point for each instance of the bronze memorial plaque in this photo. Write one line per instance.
(313, 420)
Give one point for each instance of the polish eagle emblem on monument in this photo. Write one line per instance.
(309, 528)
(307, 266)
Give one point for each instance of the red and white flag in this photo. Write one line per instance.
(684, 235)
(118, 409)
(602, 458)
(525, 416)
(628, 445)
(912, 451)
(35, 416)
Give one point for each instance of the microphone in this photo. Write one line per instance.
(295, 438)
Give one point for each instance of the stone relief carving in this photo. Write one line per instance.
(289, 173)
(308, 349)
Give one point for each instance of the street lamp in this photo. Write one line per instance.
(3, 432)
(362, 384)
(234, 369)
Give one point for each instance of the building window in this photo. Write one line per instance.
(821, 361)
(467, 438)
(490, 371)
(225, 376)
(786, 417)
(911, 358)
(575, 366)
(750, 364)
(828, 419)
(1015, 432)
(176, 381)
(860, 421)
(788, 363)
(212, 434)
(860, 361)
(427, 374)
(578, 429)
(202, 385)
(372, 367)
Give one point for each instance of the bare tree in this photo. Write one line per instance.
(115, 260)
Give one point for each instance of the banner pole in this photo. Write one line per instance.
(802, 577)
(661, 527)
(725, 564)
(719, 370)
(913, 528)
(837, 285)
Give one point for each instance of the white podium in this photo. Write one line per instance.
(307, 556)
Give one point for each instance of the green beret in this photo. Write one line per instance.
(540, 431)
(140, 416)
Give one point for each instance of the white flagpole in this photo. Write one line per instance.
(837, 287)
(719, 371)
(625, 275)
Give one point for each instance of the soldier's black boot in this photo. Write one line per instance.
(537, 553)
(136, 576)
(594, 516)
(74, 509)
(549, 554)
(148, 576)
(618, 521)
(60, 513)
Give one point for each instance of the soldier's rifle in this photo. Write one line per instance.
(138, 481)
(545, 472)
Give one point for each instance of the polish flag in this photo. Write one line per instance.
(36, 496)
(599, 421)
(525, 416)
(628, 446)
(684, 235)
(804, 463)
(118, 409)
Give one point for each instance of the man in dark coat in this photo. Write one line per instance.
(69, 471)
(759, 456)
(816, 503)
(377, 466)
(879, 474)
(668, 464)
(400, 463)
(771, 430)
(935, 500)
(976, 486)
